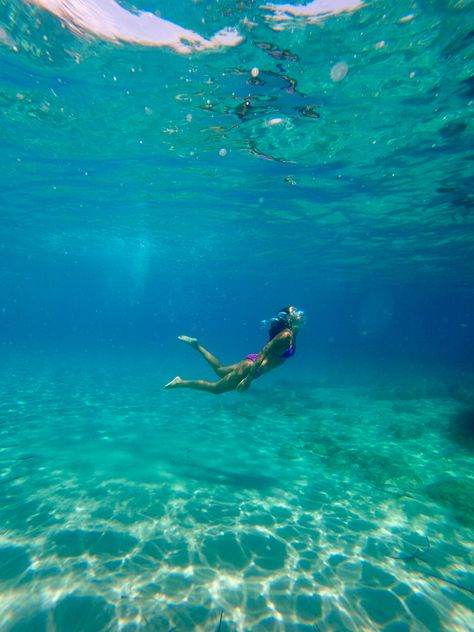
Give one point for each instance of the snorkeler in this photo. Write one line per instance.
(284, 328)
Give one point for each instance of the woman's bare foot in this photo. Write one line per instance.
(174, 383)
(193, 342)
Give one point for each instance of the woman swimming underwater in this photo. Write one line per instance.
(284, 328)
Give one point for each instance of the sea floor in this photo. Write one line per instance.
(322, 505)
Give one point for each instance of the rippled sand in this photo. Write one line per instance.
(317, 506)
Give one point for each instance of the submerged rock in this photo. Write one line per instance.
(461, 428)
(457, 494)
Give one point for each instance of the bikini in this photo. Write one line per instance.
(287, 354)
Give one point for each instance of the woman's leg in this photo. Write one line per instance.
(220, 370)
(227, 383)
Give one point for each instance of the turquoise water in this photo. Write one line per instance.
(298, 507)
(160, 176)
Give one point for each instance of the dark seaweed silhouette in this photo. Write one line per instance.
(413, 556)
(451, 582)
(417, 555)
(220, 621)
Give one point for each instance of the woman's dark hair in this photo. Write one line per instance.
(279, 322)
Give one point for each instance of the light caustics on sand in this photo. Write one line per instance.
(108, 20)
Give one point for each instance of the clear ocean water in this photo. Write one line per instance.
(190, 168)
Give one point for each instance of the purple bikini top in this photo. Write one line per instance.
(289, 352)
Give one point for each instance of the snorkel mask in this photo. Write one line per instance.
(294, 316)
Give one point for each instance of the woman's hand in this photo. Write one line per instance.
(244, 384)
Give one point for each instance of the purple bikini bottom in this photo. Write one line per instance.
(253, 358)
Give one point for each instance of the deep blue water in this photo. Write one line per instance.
(87, 305)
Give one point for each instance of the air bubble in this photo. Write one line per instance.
(339, 71)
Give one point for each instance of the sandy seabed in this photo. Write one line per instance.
(316, 506)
